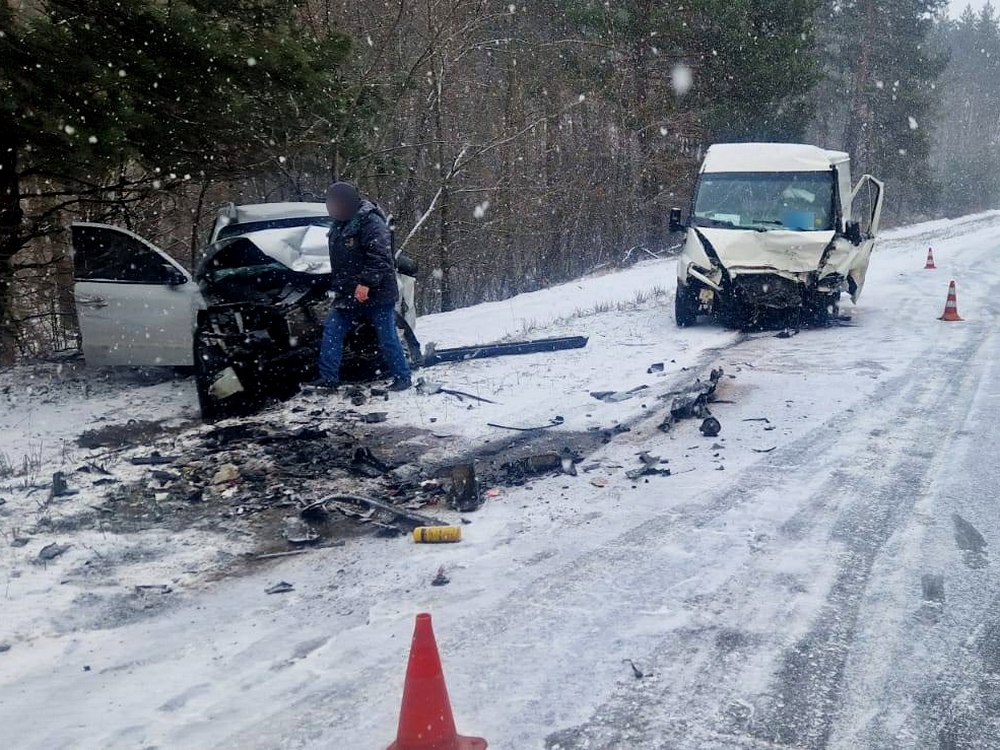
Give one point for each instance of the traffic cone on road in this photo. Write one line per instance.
(951, 306)
(930, 260)
(425, 719)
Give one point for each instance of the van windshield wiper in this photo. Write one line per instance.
(705, 221)
(766, 222)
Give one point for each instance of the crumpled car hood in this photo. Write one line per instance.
(778, 250)
(301, 249)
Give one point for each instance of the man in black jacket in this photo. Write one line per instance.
(363, 284)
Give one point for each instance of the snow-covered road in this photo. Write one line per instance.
(772, 591)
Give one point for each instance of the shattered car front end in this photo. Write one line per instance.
(259, 334)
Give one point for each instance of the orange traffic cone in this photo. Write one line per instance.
(425, 720)
(930, 260)
(951, 306)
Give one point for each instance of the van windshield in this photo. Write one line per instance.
(796, 201)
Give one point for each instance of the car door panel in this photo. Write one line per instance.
(135, 304)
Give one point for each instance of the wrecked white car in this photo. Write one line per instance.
(250, 318)
(774, 227)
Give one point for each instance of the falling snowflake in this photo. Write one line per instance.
(480, 211)
(251, 61)
(913, 123)
(682, 79)
(70, 130)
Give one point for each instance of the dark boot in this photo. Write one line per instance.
(401, 384)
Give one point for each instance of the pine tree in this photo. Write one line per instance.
(967, 143)
(752, 68)
(123, 94)
(884, 72)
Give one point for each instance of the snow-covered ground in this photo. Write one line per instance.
(770, 590)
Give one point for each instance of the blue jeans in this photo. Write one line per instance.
(341, 320)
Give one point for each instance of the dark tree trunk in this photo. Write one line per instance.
(10, 244)
(857, 133)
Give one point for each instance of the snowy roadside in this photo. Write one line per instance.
(556, 546)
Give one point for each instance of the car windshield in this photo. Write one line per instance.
(231, 230)
(797, 201)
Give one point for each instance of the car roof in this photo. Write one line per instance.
(269, 211)
(770, 157)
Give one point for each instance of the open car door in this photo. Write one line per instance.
(866, 211)
(135, 304)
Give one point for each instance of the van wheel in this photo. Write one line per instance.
(685, 308)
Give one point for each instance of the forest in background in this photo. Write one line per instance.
(517, 144)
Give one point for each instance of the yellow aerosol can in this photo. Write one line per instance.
(437, 534)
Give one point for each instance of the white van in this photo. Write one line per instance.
(774, 227)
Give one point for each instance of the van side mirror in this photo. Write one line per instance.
(852, 231)
(676, 225)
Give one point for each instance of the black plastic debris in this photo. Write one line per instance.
(465, 494)
(692, 402)
(60, 488)
(636, 672)
(153, 459)
(282, 587)
(365, 463)
(440, 579)
(710, 427)
(52, 551)
(554, 422)
(434, 356)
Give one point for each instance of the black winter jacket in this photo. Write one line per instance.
(361, 253)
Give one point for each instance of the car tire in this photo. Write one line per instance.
(207, 362)
(208, 405)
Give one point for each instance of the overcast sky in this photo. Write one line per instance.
(957, 6)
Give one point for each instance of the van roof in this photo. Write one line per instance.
(770, 157)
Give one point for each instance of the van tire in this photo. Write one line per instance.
(686, 308)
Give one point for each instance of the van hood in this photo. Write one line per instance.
(777, 250)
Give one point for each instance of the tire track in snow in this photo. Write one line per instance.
(800, 710)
